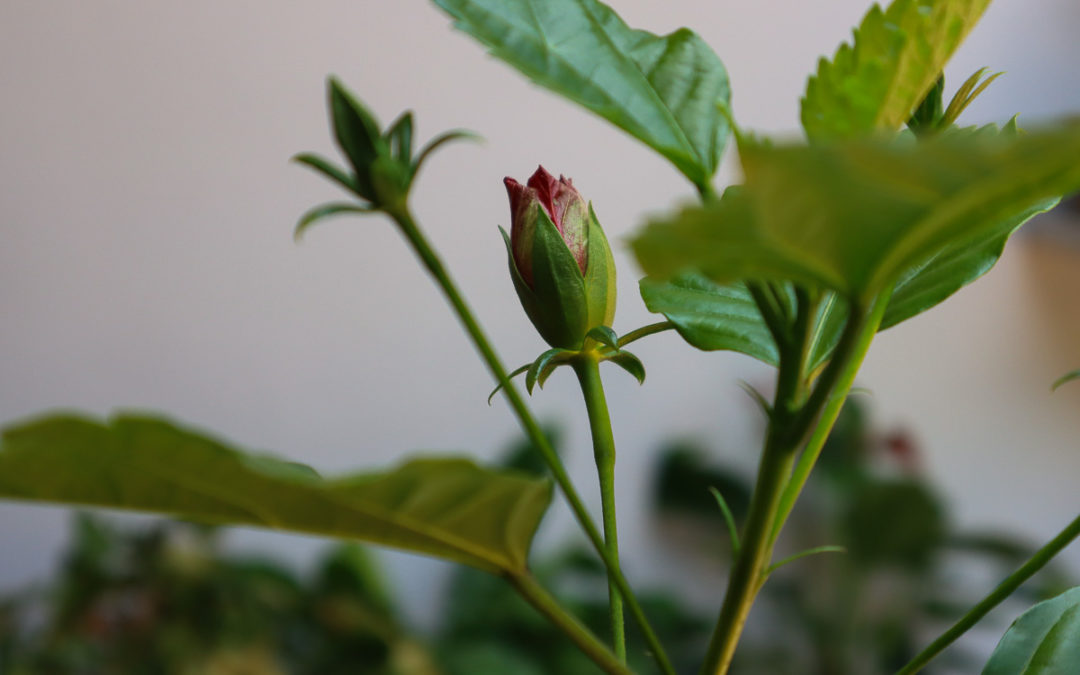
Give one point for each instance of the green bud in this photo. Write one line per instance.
(560, 260)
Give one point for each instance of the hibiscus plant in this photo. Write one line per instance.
(888, 207)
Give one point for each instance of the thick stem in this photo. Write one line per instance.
(828, 398)
(774, 495)
(592, 388)
(588, 643)
(1003, 590)
(528, 423)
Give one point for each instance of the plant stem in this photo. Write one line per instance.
(644, 331)
(754, 552)
(829, 396)
(791, 422)
(547, 605)
(431, 261)
(1003, 590)
(587, 368)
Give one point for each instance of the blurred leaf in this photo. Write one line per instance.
(449, 508)
(685, 480)
(894, 523)
(488, 658)
(1045, 640)
(897, 56)
(856, 217)
(1067, 377)
(665, 91)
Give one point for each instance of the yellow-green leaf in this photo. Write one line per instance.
(448, 508)
(878, 82)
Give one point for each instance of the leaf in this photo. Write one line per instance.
(729, 520)
(449, 508)
(1045, 640)
(828, 548)
(967, 93)
(711, 316)
(666, 91)
(854, 217)
(897, 56)
(934, 280)
(1067, 377)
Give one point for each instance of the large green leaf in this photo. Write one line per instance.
(856, 217)
(664, 90)
(449, 508)
(1045, 640)
(711, 316)
(897, 56)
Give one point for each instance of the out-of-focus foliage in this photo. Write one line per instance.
(866, 611)
(165, 598)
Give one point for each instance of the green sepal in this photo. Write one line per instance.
(399, 136)
(317, 213)
(544, 365)
(357, 134)
(599, 275)
(562, 311)
(499, 386)
(327, 169)
(629, 363)
(529, 301)
(438, 141)
(605, 336)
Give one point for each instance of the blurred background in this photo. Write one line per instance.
(147, 205)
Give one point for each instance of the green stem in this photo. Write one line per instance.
(1003, 590)
(644, 331)
(431, 261)
(547, 605)
(587, 368)
(754, 552)
(828, 399)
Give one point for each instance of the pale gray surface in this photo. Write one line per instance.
(147, 262)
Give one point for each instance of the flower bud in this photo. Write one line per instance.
(560, 260)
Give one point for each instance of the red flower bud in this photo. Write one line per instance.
(563, 204)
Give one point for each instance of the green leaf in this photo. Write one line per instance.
(855, 217)
(1067, 377)
(1045, 640)
(664, 90)
(729, 520)
(629, 363)
(711, 316)
(324, 211)
(967, 93)
(803, 554)
(449, 508)
(934, 280)
(897, 56)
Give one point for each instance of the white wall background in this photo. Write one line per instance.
(146, 259)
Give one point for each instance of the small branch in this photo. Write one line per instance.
(1003, 590)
